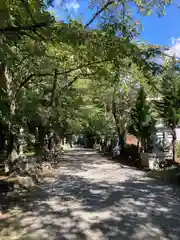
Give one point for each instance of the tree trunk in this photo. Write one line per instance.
(138, 146)
(53, 94)
(40, 137)
(121, 134)
(174, 145)
(2, 142)
(22, 142)
(13, 142)
(143, 144)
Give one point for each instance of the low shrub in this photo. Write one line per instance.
(178, 149)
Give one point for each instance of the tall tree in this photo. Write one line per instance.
(169, 105)
(142, 121)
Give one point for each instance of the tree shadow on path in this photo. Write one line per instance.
(85, 204)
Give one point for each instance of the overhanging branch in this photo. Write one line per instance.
(104, 7)
(22, 60)
(27, 9)
(30, 77)
(75, 79)
(83, 65)
(24, 28)
(26, 6)
(69, 84)
(60, 73)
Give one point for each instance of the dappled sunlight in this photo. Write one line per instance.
(76, 75)
(99, 203)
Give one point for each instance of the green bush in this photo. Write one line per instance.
(178, 149)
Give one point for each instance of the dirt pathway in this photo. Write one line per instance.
(93, 198)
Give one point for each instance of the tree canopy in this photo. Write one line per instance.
(70, 77)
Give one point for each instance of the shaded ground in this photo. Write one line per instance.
(94, 198)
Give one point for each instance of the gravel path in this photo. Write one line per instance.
(93, 198)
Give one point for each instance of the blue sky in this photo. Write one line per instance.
(157, 30)
(161, 30)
